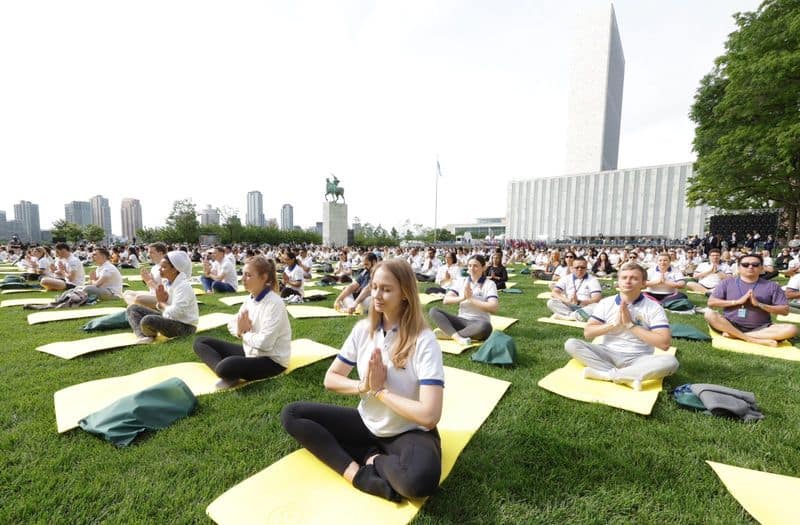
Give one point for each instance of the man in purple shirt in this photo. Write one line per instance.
(748, 303)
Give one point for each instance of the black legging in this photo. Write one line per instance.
(410, 462)
(450, 324)
(228, 361)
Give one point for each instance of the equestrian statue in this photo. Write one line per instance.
(333, 189)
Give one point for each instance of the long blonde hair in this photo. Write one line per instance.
(412, 322)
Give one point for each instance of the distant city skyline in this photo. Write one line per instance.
(384, 89)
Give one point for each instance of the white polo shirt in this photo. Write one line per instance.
(587, 288)
(711, 281)
(74, 265)
(644, 312)
(295, 273)
(227, 272)
(424, 367)
(673, 275)
(483, 290)
(271, 334)
(794, 283)
(113, 279)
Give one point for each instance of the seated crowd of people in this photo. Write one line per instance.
(400, 375)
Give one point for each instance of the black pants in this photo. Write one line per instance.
(411, 462)
(150, 323)
(451, 324)
(228, 361)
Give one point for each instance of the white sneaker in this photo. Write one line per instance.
(223, 384)
(463, 341)
(144, 340)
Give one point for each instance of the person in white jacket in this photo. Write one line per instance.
(263, 326)
(176, 312)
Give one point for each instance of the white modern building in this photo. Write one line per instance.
(101, 214)
(209, 216)
(597, 74)
(131, 210)
(287, 217)
(636, 202)
(78, 212)
(255, 209)
(27, 213)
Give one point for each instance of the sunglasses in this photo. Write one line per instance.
(750, 265)
(579, 267)
(569, 256)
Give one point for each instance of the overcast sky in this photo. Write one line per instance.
(161, 100)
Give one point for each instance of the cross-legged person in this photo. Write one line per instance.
(476, 297)
(262, 324)
(176, 313)
(357, 293)
(151, 278)
(575, 295)
(663, 280)
(632, 327)
(68, 272)
(219, 275)
(389, 446)
(710, 273)
(292, 277)
(105, 281)
(748, 303)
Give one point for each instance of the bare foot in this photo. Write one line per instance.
(726, 334)
(760, 341)
(371, 459)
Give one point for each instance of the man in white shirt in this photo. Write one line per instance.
(219, 276)
(430, 265)
(68, 272)
(632, 326)
(709, 274)
(575, 295)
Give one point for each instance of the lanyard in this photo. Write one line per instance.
(738, 285)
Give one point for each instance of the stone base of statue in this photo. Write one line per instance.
(334, 224)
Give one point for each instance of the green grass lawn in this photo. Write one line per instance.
(538, 458)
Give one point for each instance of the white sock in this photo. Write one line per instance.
(591, 373)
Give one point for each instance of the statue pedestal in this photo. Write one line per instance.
(334, 224)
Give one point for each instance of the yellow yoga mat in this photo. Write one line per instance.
(26, 290)
(770, 498)
(199, 291)
(78, 401)
(544, 295)
(502, 323)
(546, 283)
(568, 381)
(510, 284)
(71, 349)
(789, 318)
(784, 350)
(63, 315)
(132, 277)
(300, 489)
(239, 299)
(449, 346)
(308, 312)
(28, 300)
(572, 324)
(427, 298)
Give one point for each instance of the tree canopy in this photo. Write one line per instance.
(747, 138)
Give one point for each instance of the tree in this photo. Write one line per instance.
(66, 231)
(93, 233)
(394, 234)
(182, 221)
(746, 110)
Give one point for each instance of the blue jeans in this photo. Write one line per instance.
(210, 284)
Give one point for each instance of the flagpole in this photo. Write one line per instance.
(436, 202)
